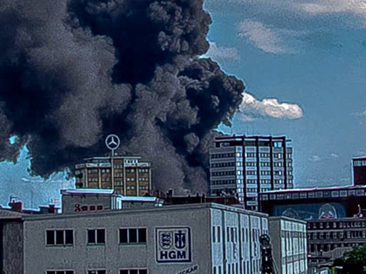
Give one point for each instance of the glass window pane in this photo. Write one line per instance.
(134, 271)
(101, 236)
(60, 237)
(133, 235)
(143, 271)
(142, 235)
(50, 238)
(123, 272)
(123, 235)
(69, 237)
(70, 272)
(91, 236)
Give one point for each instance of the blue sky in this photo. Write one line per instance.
(303, 64)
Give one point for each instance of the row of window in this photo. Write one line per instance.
(329, 247)
(122, 271)
(337, 235)
(223, 182)
(226, 164)
(252, 189)
(223, 173)
(96, 236)
(224, 155)
(349, 224)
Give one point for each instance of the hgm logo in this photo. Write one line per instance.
(173, 244)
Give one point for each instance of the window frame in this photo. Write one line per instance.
(128, 236)
(96, 236)
(97, 271)
(54, 230)
(129, 269)
(58, 270)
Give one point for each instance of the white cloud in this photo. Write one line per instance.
(219, 53)
(262, 37)
(334, 155)
(252, 108)
(269, 39)
(335, 6)
(314, 158)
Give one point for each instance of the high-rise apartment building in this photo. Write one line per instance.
(127, 175)
(248, 165)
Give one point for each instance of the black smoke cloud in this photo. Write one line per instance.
(72, 72)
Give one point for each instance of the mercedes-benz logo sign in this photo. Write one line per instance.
(112, 142)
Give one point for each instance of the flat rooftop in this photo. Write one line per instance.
(167, 208)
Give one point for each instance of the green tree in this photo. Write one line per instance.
(353, 261)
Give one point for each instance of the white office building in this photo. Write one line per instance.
(191, 238)
(248, 165)
(288, 237)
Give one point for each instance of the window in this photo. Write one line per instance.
(96, 236)
(97, 272)
(133, 271)
(60, 271)
(132, 235)
(60, 237)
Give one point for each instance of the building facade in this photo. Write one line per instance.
(126, 175)
(193, 238)
(329, 239)
(248, 165)
(314, 203)
(288, 237)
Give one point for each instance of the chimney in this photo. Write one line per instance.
(51, 209)
(16, 206)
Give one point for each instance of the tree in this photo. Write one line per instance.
(353, 261)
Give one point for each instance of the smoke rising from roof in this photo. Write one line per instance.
(72, 72)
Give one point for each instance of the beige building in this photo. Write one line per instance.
(127, 175)
(288, 238)
(190, 238)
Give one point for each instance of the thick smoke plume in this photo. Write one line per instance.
(72, 72)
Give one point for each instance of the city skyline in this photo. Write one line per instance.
(298, 79)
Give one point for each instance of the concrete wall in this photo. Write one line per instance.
(237, 249)
(221, 238)
(75, 203)
(12, 246)
(112, 255)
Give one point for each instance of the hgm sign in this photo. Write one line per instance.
(173, 244)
